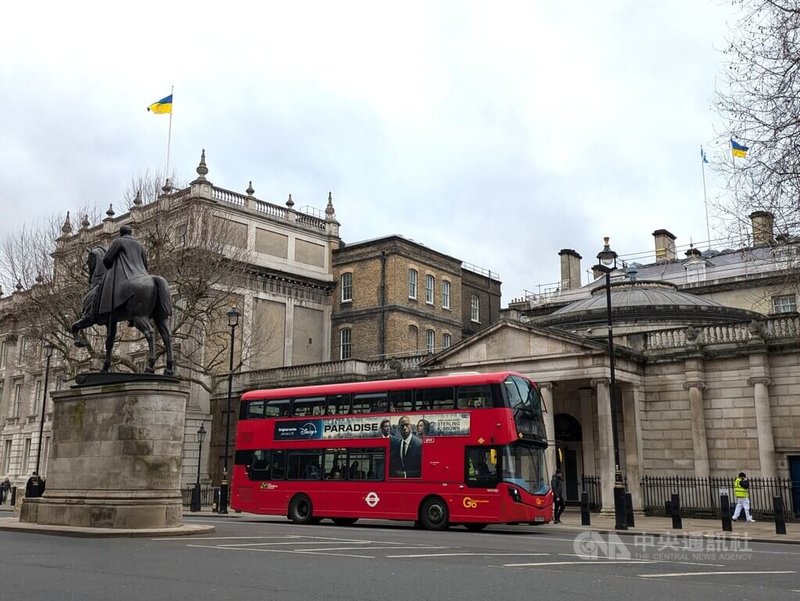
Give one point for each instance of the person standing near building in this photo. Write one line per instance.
(35, 486)
(5, 489)
(741, 490)
(557, 486)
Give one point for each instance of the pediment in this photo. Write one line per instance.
(508, 340)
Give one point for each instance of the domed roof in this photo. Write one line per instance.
(645, 301)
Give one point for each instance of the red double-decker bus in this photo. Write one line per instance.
(458, 449)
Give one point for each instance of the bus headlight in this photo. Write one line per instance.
(515, 494)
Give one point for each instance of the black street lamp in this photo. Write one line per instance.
(201, 436)
(233, 321)
(48, 352)
(608, 263)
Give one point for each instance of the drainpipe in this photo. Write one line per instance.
(382, 324)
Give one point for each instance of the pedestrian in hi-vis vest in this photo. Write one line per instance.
(741, 490)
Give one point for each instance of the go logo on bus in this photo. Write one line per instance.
(471, 503)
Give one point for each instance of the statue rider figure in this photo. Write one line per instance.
(125, 260)
(92, 297)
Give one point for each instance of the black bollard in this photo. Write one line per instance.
(675, 506)
(725, 508)
(629, 510)
(585, 518)
(13, 496)
(195, 502)
(780, 515)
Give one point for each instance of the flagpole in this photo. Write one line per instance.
(169, 132)
(705, 196)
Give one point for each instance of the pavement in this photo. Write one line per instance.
(658, 527)
(661, 527)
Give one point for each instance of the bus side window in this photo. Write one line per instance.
(277, 408)
(435, 399)
(278, 468)
(474, 397)
(365, 403)
(481, 467)
(338, 404)
(366, 464)
(333, 464)
(251, 410)
(401, 400)
(304, 465)
(308, 406)
(260, 466)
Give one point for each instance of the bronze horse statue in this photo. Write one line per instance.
(147, 297)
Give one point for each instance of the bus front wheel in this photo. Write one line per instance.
(434, 514)
(301, 510)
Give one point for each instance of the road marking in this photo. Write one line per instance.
(167, 539)
(574, 563)
(736, 573)
(461, 554)
(683, 563)
(293, 542)
(287, 551)
(378, 548)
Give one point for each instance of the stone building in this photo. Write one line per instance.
(280, 257)
(282, 267)
(706, 365)
(397, 297)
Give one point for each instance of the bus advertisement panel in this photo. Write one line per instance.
(442, 450)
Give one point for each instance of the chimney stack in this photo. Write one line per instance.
(570, 269)
(763, 222)
(665, 246)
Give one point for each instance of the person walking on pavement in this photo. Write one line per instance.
(5, 489)
(557, 485)
(741, 490)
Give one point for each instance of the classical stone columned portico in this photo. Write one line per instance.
(116, 456)
(695, 384)
(605, 442)
(546, 388)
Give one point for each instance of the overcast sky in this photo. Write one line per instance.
(496, 132)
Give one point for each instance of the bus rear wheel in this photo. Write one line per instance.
(301, 511)
(344, 521)
(434, 514)
(475, 526)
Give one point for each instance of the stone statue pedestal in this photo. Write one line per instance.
(117, 449)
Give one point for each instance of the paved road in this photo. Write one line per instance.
(271, 558)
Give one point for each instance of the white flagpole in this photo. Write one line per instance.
(705, 196)
(169, 132)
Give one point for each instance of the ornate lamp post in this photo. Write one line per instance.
(201, 436)
(233, 321)
(607, 263)
(48, 352)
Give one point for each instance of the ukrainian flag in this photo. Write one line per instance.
(738, 150)
(162, 106)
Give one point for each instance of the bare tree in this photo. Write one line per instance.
(761, 106)
(189, 241)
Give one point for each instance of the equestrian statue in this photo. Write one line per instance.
(121, 289)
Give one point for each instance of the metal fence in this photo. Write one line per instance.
(591, 485)
(700, 497)
(208, 495)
